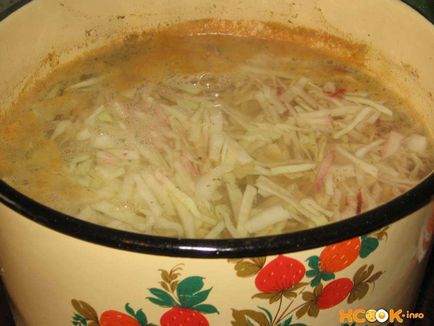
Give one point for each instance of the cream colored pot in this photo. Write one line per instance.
(62, 271)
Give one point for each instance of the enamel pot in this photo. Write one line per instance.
(59, 270)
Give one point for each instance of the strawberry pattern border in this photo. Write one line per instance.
(291, 289)
(283, 281)
(185, 298)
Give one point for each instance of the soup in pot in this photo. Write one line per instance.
(211, 135)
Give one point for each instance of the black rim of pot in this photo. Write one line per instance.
(367, 222)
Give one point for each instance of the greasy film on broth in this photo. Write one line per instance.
(211, 136)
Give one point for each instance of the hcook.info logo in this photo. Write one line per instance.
(380, 315)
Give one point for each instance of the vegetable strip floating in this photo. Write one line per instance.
(224, 153)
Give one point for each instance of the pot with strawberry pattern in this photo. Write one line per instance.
(59, 270)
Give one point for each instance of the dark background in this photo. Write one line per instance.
(425, 303)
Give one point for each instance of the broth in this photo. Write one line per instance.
(209, 135)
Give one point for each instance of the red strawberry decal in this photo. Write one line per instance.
(280, 274)
(324, 297)
(178, 316)
(334, 293)
(86, 315)
(338, 256)
(116, 318)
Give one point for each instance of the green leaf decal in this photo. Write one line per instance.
(311, 273)
(189, 285)
(188, 301)
(369, 244)
(313, 262)
(287, 322)
(316, 273)
(268, 314)
(159, 302)
(141, 317)
(318, 276)
(206, 309)
(328, 276)
(317, 280)
(163, 299)
(130, 310)
(79, 320)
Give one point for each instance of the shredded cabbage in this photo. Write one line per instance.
(181, 159)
